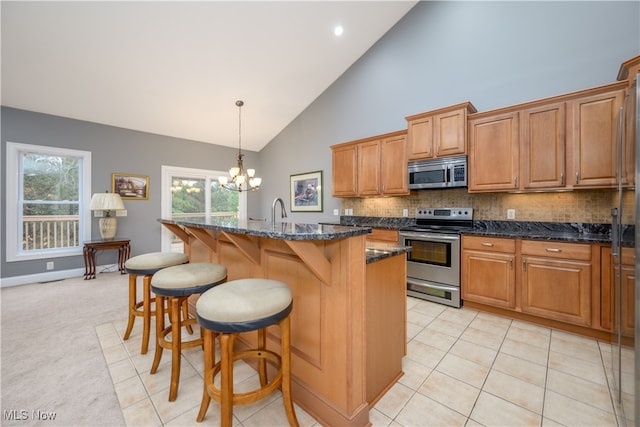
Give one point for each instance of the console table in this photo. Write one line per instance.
(91, 247)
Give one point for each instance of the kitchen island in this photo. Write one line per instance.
(349, 313)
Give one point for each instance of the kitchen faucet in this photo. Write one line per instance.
(273, 210)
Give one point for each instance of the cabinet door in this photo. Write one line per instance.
(557, 289)
(627, 287)
(369, 168)
(542, 147)
(450, 129)
(493, 153)
(488, 278)
(393, 165)
(420, 138)
(595, 140)
(344, 173)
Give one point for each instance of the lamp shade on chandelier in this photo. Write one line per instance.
(241, 179)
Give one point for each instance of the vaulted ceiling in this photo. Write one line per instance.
(177, 68)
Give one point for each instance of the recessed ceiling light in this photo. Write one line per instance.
(338, 30)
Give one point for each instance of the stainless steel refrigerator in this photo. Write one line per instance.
(626, 357)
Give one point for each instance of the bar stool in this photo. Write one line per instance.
(175, 285)
(146, 265)
(241, 306)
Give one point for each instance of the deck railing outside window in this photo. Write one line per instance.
(61, 231)
(50, 232)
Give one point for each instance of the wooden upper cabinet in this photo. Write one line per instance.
(542, 146)
(438, 133)
(375, 166)
(344, 180)
(629, 73)
(493, 152)
(564, 142)
(595, 137)
(393, 165)
(369, 168)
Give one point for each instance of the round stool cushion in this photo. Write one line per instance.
(244, 305)
(150, 263)
(188, 279)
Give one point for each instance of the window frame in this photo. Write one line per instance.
(167, 172)
(14, 251)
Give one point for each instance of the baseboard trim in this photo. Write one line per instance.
(49, 276)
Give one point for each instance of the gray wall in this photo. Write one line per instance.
(113, 150)
(490, 53)
(493, 54)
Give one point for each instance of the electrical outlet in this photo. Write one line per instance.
(405, 212)
(511, 214)
(336, 212)
(49, 265)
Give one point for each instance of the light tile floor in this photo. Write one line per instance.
(463, 368)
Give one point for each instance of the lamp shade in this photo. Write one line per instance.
(106, 202)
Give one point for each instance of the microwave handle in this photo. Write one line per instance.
(447, 175)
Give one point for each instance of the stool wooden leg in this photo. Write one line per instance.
(147, 313)
(285, 358)
(226, 379)
(132, 305)
(176, 341)
(185, 314)
(159, 328)
(209, 362)
(262, 363)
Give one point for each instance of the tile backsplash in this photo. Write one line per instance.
(587, 206)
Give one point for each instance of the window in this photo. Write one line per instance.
(48, 189)
(195, 192)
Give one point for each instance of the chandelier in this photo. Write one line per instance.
(241, 179)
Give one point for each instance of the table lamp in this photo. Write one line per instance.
(109, 203)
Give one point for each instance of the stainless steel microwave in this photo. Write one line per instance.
(446, 172)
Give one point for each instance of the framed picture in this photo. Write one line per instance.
(306, 192)
(130, 187)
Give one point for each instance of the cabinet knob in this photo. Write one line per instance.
(515, 181)
(487, 244)
(577, 177)
(561, 178)
(553, 250)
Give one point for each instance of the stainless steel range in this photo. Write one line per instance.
(433, 264)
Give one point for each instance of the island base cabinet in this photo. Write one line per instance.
(348, 323)
(557, 289)
(386, 317)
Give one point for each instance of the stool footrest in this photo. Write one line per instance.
(253, 395)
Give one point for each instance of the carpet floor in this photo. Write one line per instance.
(53, 371)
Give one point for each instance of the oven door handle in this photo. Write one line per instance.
(431, 236)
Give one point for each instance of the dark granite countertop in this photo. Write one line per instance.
(378, 250)
(569, 232)
(279, 230)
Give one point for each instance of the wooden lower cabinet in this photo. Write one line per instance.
(557, 289)
(627, 289)
(487, 271)
(548, 282)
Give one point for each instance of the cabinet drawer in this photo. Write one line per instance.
(544, 248)
(493, 244)
(383, 235)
